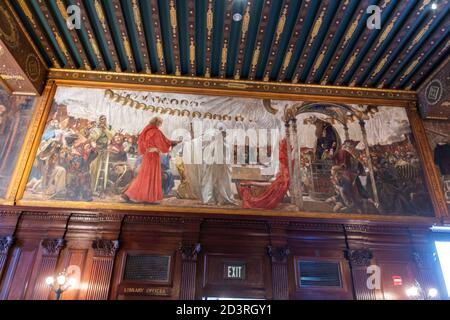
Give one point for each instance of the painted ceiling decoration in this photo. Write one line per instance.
(324, 42)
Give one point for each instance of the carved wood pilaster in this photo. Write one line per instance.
(189, 254)
(105, 248)
(359, 257)
(102, 269)
(5, 245)
(280, 281)
(359, 260)
(50, 253)
(52, 247)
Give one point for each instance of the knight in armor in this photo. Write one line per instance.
(101, 136)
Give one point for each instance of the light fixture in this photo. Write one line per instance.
(412, 292)
(237, 17)
(434, 6)
(416, 292)
(63, 283)
(433, 293)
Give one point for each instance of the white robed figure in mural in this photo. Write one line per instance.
(216, 168)
(203, 167)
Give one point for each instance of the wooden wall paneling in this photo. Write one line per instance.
(253, 285)
(227, 240)
(50, 249)
(5, 243)
(74, 261)
(318, 241)
(102, 268)
(359, 260)
(18, 273)
(8, 224)
(22, 269)
(149, 235)
(189, 251)
(422, 255)
(189, 254)
(279, 252)
(77, 255)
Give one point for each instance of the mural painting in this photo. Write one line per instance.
(15, 117)
(192, 151)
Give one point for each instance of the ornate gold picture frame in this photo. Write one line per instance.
(197, 86)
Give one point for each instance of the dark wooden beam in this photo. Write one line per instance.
(124, 35)
(262, 27)
(107, 33)
(356, 19)
(141, 35)
(276, 39)
(209, 37)
(91, 35)
(58, 36)
(293, 40)
(158, 36)
(395, 65)
(243, 41)
(62, 8)
(175, 37)
(226, 37)
(22, 71)
(40, 33)
(191, 33)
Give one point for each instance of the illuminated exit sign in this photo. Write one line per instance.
(234, 270)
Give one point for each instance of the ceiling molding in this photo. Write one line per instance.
(255, 89)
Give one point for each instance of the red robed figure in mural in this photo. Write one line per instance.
(147, 186)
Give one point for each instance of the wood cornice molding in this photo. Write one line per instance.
(255, 89)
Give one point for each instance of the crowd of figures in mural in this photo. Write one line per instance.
(176, 150)
(15, 117)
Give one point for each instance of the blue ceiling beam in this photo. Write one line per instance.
(145, 7)
(350, 46)
(200, 35)
(409, 11)
(32, 33)
(340, 32)
(308, 23)
(255, 16)
(235, 37)
(219, 12)
(167, 36)
(268, 36)
(424, 59)
(443, 14)
(331, 11)
(62, 27)
(98, 31)
(386, 14)
(291, 18)
(48, 32)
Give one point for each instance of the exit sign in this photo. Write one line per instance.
(234, 270)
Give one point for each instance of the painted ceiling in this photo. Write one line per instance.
(298, 41)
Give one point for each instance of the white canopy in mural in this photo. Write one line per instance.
(388, 125)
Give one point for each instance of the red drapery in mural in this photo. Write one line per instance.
(274, 193)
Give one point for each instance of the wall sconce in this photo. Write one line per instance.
(61, 283)
(417, 292)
